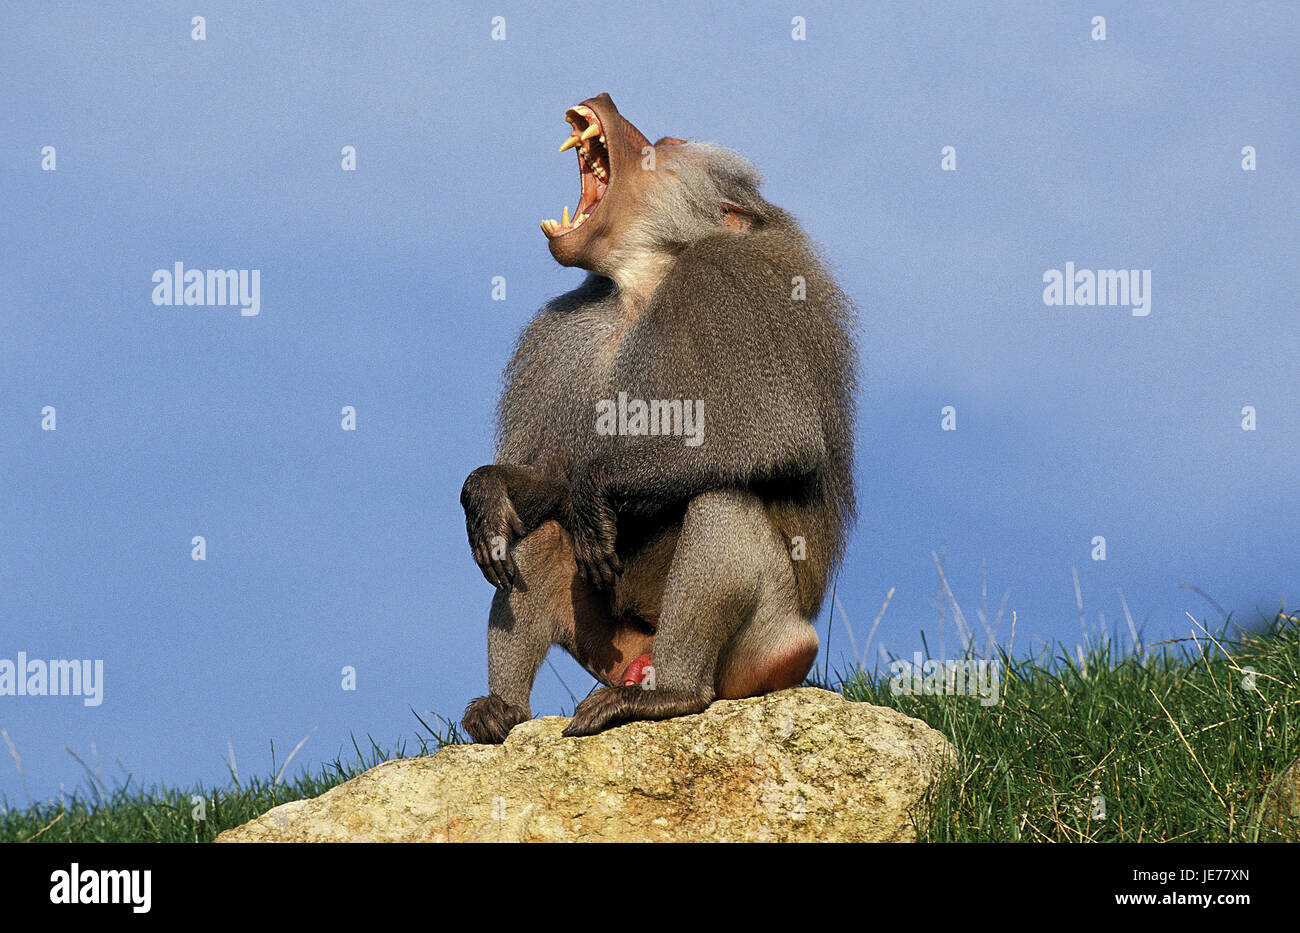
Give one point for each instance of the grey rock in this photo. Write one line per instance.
(798, 765)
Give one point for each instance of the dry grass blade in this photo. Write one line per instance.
(18, 762)
(964, 629)
(1188, 746)
(45, 827)
(301, 743)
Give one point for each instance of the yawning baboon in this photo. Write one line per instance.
(673, 480)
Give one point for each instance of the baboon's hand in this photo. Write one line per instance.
(492, 524)
(595, 529)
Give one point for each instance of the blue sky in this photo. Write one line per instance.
(328, 548)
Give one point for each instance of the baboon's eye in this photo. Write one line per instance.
(737, 218)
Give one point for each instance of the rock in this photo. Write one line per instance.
(1281, 811)
(798, 765)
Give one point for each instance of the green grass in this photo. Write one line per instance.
(1172, 744)
(1172, 740)
(161, 814)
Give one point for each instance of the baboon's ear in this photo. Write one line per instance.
(737, 218)
(670, 141)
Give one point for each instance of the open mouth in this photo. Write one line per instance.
(588, 137)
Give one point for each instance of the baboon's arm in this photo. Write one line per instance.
(503, 503)
(660, 471)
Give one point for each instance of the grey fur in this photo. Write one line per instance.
(704, 534)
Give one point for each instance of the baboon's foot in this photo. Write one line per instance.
(610, 706)
(489, 719)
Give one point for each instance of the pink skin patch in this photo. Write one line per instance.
(635, 672)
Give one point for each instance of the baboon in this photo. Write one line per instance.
(673, 478)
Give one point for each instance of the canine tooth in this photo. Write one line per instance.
(590, 131)
(569, 143)
(564, 221)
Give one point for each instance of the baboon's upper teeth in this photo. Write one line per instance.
(589, 132)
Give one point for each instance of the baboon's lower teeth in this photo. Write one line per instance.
(593, 160)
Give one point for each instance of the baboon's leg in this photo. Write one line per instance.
(522, 624)
(776, 648)
(548, 604)
(729, 571)
(774, 651)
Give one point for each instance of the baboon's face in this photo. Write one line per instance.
(609, 151)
